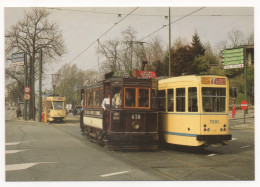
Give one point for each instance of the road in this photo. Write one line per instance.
(58, 152)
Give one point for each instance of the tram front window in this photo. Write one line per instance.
(57, 105)
(143, 97)
(214, 99)
(130, 97)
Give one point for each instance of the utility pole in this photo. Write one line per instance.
(245, 82)
(25, 85)
(169, 41)
(40, 88)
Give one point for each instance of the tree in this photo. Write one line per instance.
(71, 81)
(236, 38)
(32, 33)
(197, 47)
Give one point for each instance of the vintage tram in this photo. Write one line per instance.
(131, 121)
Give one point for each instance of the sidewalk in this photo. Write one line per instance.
(238, 120)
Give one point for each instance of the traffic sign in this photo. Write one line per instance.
(244, 105)
(27, 89)
(18, 59)
(27, 96)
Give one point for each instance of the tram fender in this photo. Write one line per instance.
(214, 138)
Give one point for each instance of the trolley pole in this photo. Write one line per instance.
(169, 41)
(245, 82)
(40, 89)
(25, 84)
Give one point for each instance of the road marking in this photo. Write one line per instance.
(13, 167)
(16, 143)
(13, 143)
(12, 151)
(245, 146)
(234, 138)
(117, 173)
(212, 155)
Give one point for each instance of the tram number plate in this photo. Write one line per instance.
(136, 116)
(214, 121)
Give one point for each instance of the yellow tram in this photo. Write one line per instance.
(193, 110)
(54, 109)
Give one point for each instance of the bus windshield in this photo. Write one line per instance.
(57, 105)
(214, 99)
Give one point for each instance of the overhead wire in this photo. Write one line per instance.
(102, 35)
(148, 15)
(172, 22)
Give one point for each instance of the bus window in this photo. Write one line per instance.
(130, 97)
(192, 99)
(154, 99)
(58, 105)
(117, 97)
(161, 100)
(170, 100)
(214, 99)
(90, 99)
(180, 99)
(143, 97)
(96, 97)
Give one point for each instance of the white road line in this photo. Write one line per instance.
(16, 143)
(245, 146)
(13, 167)
(117, 173)
(212, 155)
(13, 143)
(12, 151)
(234, 138)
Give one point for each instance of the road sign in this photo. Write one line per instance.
(27, 89)
(27, 96)
(244, 105)
(17, 59)
(234, 58)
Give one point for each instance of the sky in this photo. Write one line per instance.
(81, 26)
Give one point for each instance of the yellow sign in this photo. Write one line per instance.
(205, 80)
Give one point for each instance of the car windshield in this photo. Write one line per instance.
(57, 105)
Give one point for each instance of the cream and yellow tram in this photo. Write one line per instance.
(54, 109)
(193, 110)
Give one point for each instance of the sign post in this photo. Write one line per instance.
(244, 106)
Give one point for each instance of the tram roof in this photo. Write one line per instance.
(187, 78)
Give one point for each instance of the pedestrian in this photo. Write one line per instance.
(81, 119)
(18, 111)
(106, 106)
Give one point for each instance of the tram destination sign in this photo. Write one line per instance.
(234, 58)
(17, 59)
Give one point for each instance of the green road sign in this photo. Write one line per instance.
(233, 58)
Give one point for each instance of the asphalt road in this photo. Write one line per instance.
(58, 152)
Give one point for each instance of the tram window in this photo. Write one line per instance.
(214, 99)
(130, 97)
(117, 97)
(154, 99)
(180, 99)
(96, 97)
(57, 105)
(90, 99)
(143, 99)
(170, 100)
(192, 98)
(101, 95)
(161, 100)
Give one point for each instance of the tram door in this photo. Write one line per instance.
(106, 113)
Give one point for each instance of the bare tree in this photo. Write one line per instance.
(30, 34)
(236, 38)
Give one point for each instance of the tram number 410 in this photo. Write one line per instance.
(214, 121)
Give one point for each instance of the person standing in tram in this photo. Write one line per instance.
(106, 106)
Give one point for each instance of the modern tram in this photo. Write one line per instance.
(131, 120)
(193, 110)
(54, 109)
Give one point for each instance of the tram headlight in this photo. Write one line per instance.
(135, 125)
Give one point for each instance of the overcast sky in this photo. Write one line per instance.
(81, 26)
